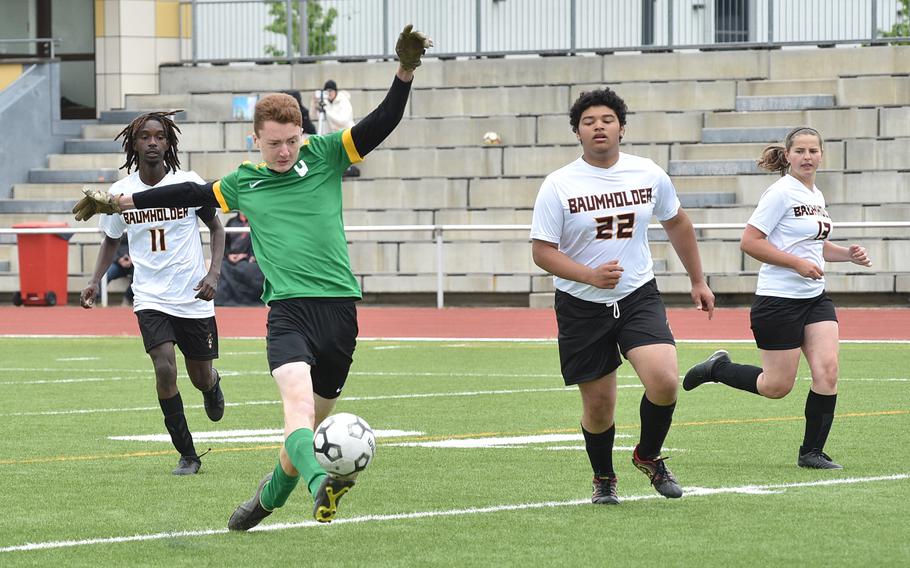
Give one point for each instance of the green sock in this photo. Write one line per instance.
(299, 446)
(276, 492)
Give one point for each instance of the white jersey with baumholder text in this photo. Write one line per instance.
(596, 215)
(795, 220)
(165, 248)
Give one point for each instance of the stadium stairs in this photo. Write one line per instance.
(704, 117)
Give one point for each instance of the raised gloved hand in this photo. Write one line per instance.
(95, 201)
(411, 46)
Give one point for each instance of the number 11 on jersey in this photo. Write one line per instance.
(157, 243)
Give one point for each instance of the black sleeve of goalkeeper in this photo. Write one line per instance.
(376, 126)
(186, 194)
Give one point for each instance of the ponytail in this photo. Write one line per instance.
(774, 157)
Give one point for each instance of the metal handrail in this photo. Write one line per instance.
(469, 27)
(51, 41)
(436, 230)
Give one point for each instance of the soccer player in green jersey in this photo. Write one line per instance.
(293, 202)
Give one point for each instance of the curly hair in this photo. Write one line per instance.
(774, 157)
(278, 107)
(171, 161)
(600, 97)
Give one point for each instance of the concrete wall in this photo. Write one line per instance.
(29, 116)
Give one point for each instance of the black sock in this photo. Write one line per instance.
(600, 451)
(742, 377)
(655, 423)
(175, 421)
(819, 417)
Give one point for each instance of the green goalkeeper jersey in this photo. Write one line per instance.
(296, 219)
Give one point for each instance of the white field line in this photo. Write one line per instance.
(347, 399)
(690, 492)
(263, 435)
(70, 381)
(277, 435)
(445, 339)
(147, 376)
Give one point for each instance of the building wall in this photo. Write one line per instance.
(132, 39)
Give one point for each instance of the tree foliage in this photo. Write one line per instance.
(901, 28)
(320, 40)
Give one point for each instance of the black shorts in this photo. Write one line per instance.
(196, 338)
(319, 332)
(780, 323)
(591, 339)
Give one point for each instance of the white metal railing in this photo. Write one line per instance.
(51, 43)
(235, 30)
(437, 231)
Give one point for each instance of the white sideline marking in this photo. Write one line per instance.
(442, 339)
(78, 359)
(615, 448)
(148, 376)
(501, 441)
(67, 381)
(346, 399)
(231, 436)
(690, 492)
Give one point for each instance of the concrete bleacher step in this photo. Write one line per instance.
(124, 117)
(46, 175)
(787, 102)
(92, 146)
(52, 190)
(87, 161)
(101, 131)
(786, 87)
(736, 135)
(710, 199)
(713, 167)
(37, 206)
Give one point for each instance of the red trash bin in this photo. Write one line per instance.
(43, 262)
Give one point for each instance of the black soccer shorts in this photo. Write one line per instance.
(780, 323)
(591, 339)
(196, 338)
(321, 332)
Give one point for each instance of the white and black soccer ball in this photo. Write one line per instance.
(344, 445)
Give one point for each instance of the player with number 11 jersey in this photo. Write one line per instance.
(165, 249)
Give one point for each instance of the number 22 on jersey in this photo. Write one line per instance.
(625, 225)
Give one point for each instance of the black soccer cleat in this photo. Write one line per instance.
(188, 465)
(325, 501)
(817, 459)
(251, 512)
(701, 373)
(213, 399)
(661, 477)
(605, 491)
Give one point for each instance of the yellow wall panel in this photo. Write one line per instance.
(187, 14)
(167, 18)
(8, 73)
(99, 18)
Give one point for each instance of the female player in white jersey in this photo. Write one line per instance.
(172, 289)
(590, 230)
(788, 233)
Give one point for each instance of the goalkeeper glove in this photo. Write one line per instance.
(410, 46)
(95, 201)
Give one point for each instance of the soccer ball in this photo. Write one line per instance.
(491, 138)
(344, 445)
